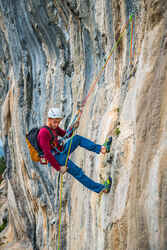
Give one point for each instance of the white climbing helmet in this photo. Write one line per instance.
(55, 113)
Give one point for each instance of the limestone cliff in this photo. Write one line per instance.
(50, 54)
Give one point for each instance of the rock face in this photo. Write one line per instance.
(50, 54)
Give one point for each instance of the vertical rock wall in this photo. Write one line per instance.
(50, 54)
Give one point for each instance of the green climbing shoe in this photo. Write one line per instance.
(107, 184)
(107, 144)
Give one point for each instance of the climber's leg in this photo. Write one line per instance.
(78, 174)
(83, 142)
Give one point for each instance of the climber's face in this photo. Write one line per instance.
(54, 122)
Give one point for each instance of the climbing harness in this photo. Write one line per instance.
(80, 111)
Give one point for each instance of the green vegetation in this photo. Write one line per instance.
(2, 167)
(117, 131)
(4, 224)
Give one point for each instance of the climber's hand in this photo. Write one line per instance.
(63, 169)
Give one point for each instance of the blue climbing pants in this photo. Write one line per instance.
(72, 168)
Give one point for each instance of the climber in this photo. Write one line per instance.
(56, 153)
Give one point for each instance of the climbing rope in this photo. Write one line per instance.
(61, 189)
(60, 178)
(80, 112)
(104, 66)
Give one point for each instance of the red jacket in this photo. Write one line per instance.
(44, 138)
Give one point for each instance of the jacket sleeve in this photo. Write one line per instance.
(44, 142)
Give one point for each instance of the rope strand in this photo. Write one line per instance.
(104, 66)
(61, 189)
